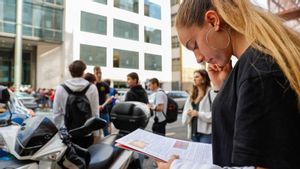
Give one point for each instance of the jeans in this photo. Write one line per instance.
(105, 116)
(203, 138)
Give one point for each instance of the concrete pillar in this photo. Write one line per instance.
(18, 46)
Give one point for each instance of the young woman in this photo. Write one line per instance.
(256, 119)
(197, 109)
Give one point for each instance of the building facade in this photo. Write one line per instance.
(183, 61)
(42, 29)
(121, 36)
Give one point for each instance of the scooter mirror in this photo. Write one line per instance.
(4, 94)
(90, 125)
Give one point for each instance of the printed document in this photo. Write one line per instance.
(163, 148)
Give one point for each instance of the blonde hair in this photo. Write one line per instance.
(264, 29)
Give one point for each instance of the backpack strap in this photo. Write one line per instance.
(85, 89)
(69, 91)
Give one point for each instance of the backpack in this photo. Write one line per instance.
(172, 110)
(78, 109)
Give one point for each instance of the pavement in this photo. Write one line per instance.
(173, 130)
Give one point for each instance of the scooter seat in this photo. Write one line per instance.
(101, 156)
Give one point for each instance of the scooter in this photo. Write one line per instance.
(38, 144)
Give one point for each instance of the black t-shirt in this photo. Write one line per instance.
(255, 117)
(103, 91)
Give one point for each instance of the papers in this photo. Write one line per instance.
(163, 148)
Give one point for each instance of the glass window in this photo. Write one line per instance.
(60, 2)
(27, 13)
(151, 9)
(101, 1)
(176, 65)
(126, 59)
(173, 16)
(52, 18)
(93, 23)
(152, 35)
(50, 1)
(27, 31)
(174, 2)
(175, 42)
(93, 55)
(9, 10)
(126, 30)
(129, 5)
(153, 62)
(9, 27)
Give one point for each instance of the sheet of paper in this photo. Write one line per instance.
(164, 147)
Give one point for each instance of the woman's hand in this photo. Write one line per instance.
(167, 165)
(218, 74)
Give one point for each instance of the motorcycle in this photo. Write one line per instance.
(37, 143)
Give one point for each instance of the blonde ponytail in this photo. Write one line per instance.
(267, 34)
(263, 29)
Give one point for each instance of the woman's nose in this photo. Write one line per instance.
(199, 57)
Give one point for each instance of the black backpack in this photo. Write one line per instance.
(78, 108)
(172, 110)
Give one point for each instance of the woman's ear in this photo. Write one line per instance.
(212, 18)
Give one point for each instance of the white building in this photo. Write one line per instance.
(183, 61)
(120, 36)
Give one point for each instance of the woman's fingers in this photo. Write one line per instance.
(166, 165)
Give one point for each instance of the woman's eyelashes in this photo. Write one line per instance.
(192, 45)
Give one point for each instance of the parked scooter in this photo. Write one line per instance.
(38, 144)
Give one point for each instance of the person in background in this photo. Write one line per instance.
(136, 91)
(256, 117)
(90, 78)
(77, 83)
(159, 105)
(197, 109)
(113, 94)
(104, 99)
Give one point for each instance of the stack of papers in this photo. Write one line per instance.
(162, 148)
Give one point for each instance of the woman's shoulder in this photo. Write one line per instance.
(254, 63)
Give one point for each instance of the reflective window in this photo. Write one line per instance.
(129, 5)
(175, 42)
(27, 13)
(7, 66)
(174, 2)
(151, 9)
(93, 23)
(153, 62)
(126, 59)
(41, 21)
(93, 55)
(126, 30)
(152, 35)
(9, 27)
(173, 16)
(9, 10)
(101, 1)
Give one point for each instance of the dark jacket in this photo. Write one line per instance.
(137, 93)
